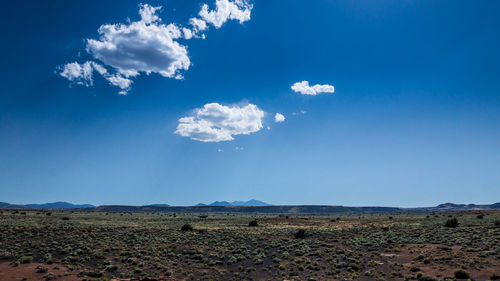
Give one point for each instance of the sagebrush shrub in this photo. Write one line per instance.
(187, 227)
(301, 233)
(451, 222)
(461, 274)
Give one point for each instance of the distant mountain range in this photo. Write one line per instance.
(55, 205)
(254, 206)
(66, 205)
(251, 202)
(461, 207)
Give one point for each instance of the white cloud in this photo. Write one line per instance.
(78, 73)
(278, 118)
(198, 25)
(304, 88)
(99, 68)
(188, 33)
(148, 46)
(144, 46)
(300, 112)
(226, 10)
(82, 74)
(148, 13)
(220, 150)
(120, 81)
(214, 122)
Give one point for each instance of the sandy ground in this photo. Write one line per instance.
(28, 272)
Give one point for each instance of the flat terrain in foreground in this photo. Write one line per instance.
(103, 246)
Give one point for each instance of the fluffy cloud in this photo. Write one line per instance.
(78, 73)
(146, 46)
(226, 10)
(198, 25)
(278, 118)
(304, 88)
(215, 122)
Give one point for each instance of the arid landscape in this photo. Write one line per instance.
(228, 140)
(72, 245)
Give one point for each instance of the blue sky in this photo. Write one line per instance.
(414, 119)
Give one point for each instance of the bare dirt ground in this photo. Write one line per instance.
(28, 272)
(439, 261)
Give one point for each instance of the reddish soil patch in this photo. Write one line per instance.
(441, 265)
(28, 271)
(161, 278)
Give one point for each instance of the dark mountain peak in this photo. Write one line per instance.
(495, 206)
(251, 202)
(449, 205)
(220, 203)
(58, 205)
(11, 206)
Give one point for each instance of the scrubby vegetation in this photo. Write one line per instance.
(102, 246)
(451, 222)
(461, 274)
(187, 227)
(301, 234)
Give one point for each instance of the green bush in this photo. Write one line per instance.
(111, 268)
(461, 274)
(94, 274)
(41, 269)
(451, 223)
(253, 223)
(187, 227)
(300, 234)
(26, 259)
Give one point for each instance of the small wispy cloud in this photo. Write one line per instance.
(304, 88)
(278, 118)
